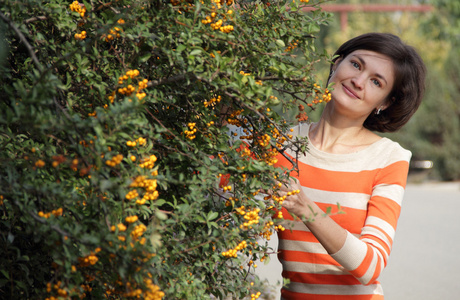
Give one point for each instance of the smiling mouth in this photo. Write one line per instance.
(350, 92)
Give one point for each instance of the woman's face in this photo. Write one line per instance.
(363, 80)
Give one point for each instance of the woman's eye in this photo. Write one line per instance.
(355, 64)
(376, 82)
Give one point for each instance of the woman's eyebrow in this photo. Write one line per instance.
(363, 62)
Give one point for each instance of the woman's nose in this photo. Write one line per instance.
(358, 81)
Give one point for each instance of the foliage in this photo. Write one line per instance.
(121, 173)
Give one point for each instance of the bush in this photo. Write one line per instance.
(122, 174)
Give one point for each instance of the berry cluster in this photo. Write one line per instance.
(114, 161)
(113, 34)
(56, 212)
(39, 163)
(78, 8)
(148, 163)
(131, 219)
(59, 290)
(251, 217)
(89, 260)
(141, 141)
(213, 101)
(292, 46)
(80, 36)
(233, 252)
(213, 19)
(150, 190)
(130, 88)
(190, 133)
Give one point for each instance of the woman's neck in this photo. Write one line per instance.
(340, 135)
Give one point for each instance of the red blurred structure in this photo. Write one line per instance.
(344, 9)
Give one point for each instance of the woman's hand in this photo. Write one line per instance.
(296, 202)
(331, 235)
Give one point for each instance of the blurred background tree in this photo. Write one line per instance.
(434, 131)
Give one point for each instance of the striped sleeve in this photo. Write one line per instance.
(366, 255)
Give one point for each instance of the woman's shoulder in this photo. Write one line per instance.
(393, 150)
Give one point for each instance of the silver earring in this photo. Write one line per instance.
(378, 111)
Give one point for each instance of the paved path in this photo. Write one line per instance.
(425, 261)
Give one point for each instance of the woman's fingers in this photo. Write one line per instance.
(286, 187)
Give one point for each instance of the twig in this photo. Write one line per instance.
(197, 246)
(279, 78)
(172, 134)
(172, 79)
(293, 94)
(33, 19)
(54, 227)
(23, 40)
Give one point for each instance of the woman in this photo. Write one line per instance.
(378, 86)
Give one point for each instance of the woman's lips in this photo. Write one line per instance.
(350, 92)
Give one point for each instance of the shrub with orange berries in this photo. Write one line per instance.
(140, 141)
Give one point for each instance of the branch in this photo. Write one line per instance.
(35, 19)
(293, 94)
(23, 40)
(172, 79)
(279, 78)
(175, 137)
(195, 247)
(281, 151)
(54, 227)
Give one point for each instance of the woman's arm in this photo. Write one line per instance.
(330, 234)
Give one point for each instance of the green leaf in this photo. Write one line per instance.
(195, 52)
(145, 58)
(5, 273)
(280, 43)
(160, 215)
(212, 215)
(180, 48)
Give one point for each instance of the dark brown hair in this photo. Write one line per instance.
(409, 84)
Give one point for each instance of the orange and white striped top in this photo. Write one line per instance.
(369, 186)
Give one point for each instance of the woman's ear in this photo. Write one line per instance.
(336, 63)
(334, 66)
(387, 103)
